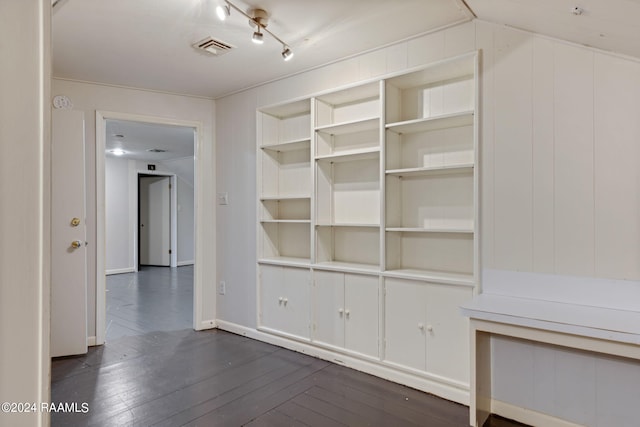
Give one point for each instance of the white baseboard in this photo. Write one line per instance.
(378, 369)
(120, 271)
(183, 263)
(207, 324)
(528, 416)
(91, 341)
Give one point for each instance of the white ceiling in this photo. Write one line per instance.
(605, 24)
(147, 43)
(137, 138)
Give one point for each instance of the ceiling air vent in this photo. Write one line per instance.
(213, 46)
(157, 150)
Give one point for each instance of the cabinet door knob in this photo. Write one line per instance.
(347, 313)
(429, 328)
(340, 311)
(280, 300)
(286, 300)
(421, 326)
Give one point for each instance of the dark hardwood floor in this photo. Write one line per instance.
(214, 378)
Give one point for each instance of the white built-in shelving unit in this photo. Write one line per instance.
(368, 222)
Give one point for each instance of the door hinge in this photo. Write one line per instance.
(169, 186)
(169, 251)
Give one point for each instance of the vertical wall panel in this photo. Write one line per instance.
(373, 64)
(397, 57)
(618, 387)
(512, 371)
(512, 150)
(459, 39)
(544, 377)
(573, 172)
(543, 145)
(484, 40)
(426, 49)
(575, 389)
(617, 176)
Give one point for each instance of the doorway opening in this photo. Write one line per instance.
(148, 169)
(157, 232)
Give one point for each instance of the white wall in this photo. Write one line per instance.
(91, 97)
(121, 180)
(559, 177)
(560, 198)
(119, 240)
(183, 168)
(25, 162)
(560, 150)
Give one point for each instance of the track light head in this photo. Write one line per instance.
(286, 53)
(223, 12)
(258, 37)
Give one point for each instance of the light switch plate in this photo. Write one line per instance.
(223, 198)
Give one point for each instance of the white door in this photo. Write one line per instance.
(68, 234)
(361, 313)
(405, 313)
(329, 308)
(447, 331)
(155, 220)
(271, 295)
(297, 293)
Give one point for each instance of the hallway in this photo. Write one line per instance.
(154, 299)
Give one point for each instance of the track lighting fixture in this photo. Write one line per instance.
(259, 19)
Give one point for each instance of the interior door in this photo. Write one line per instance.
(68, 235)
(155, 220)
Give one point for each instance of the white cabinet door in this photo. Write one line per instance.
(271, 292)
(424, 328)
(404, 323)
(361, 313)
(284, 299)
(329, 308)
(295, 304)
(447, 332)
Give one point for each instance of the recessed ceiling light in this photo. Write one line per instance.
(118, 135)
(157, 150)
(117, 152)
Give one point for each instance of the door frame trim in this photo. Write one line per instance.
(199, 202)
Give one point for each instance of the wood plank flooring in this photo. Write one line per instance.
(215, 378)
(154, 299)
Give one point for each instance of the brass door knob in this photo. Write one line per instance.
(76, 244)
